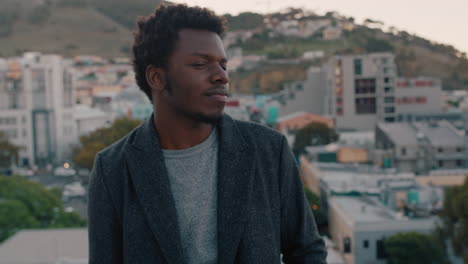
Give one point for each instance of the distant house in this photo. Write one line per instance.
(332, 33)
(420, 147)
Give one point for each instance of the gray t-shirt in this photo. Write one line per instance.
(193, 178)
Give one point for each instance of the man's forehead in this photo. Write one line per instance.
(194, 41)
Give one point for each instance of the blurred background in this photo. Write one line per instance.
(372, 96)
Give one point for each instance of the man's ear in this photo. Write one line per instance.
(155, 76)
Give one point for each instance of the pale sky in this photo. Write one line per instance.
(443, 21)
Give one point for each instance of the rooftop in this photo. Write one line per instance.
(46, 246)
(440, 133)
(368, 214)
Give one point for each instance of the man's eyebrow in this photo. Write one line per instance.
(207, 56)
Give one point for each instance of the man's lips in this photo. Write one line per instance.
(217, 94)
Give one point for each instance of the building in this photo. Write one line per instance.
(332, 33)
(89, 119)
(418, 95)
(420, 147)
(360, 90)
(359, 226)
(366, 205)
(36, 107)
(66, 246)
(304, 95)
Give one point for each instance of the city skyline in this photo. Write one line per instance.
(442, 22)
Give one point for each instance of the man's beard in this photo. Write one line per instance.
(198, 117)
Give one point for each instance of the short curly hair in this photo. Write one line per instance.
(156, 35)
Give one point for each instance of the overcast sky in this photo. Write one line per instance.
(444, 21)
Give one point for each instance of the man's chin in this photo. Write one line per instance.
(210, 119)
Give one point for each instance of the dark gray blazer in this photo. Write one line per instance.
(262, 211)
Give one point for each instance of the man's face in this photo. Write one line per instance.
(196, 77)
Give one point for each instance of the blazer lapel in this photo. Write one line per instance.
(235, 176)
(149, 175)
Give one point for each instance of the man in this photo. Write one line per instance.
(192, 185)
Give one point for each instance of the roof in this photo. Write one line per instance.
(367, 214)
(440, 133)
(299, 120)
(46, 246)
(400, 133)
(442, 180)
(363, 210)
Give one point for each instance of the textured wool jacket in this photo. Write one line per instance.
(262, 211)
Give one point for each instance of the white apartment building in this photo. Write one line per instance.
(36, 107)
(361, 90)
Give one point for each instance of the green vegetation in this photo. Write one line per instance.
(100, 138)
(39, 14)
(27, 204)
(314, 134)
(314, 202)
(125, 12)
(9, 11)
(455, 219)
(243, 21)
(73, 3)
(8, 151)
(413, 248)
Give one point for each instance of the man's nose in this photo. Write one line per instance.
(220, 75)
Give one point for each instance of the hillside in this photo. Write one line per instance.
(70, 27)
(104, 28)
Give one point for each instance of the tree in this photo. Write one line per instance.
(314, 202)
(101, 138)
(454, 217)
(413, 248)
(314, 134)
(28, 204)
(8, 151)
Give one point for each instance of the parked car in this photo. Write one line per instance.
(61, 171)
(23, 172)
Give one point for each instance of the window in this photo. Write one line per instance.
(347, 245)
(357, 66)
(365, 105)
(389, 99)
(441, 163)
(388, 89)
(390, 109)
(459, 149)
(459, 163)
(380, 247)
(364, 86)
(403, 151)
(365, 244)
(390, 119)
(440, 150)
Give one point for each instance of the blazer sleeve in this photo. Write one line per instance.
(104, 226)
(300, 240)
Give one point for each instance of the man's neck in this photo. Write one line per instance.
(180, 134)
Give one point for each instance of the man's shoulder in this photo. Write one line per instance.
(258, 132)
(115, 152)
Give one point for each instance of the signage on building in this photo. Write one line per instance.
(411, 100)
(414, 83)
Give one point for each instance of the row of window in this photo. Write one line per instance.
(379, 247)
(439, 150)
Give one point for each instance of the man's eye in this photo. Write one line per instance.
(199, 65)
(224, 67)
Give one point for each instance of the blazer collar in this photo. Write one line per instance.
(235, 175)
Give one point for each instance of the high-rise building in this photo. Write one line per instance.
(361, 90)
(36, 107)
